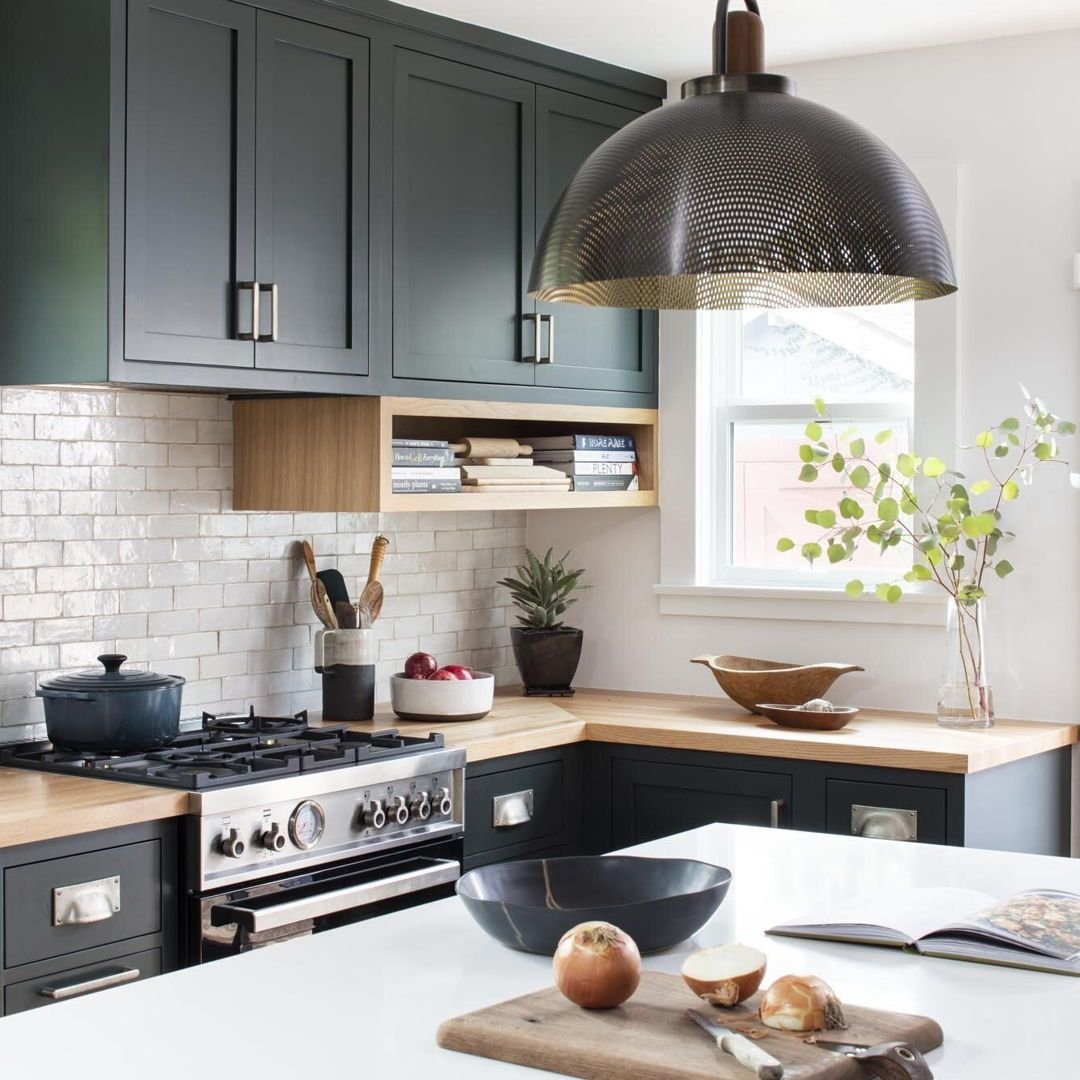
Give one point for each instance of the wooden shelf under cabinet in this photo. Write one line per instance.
(334, 453)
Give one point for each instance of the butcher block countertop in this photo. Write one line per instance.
(39, 806)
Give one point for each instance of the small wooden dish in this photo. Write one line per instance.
(791, 717)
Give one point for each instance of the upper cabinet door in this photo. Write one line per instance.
(190, 182)
(464, 222)
(311, 237)
(592, 348)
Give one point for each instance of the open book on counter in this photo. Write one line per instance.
(1038, 929)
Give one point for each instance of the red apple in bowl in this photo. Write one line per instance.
(421, 665)
(458, 671)
(443, 675)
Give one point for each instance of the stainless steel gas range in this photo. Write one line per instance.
(294, 829)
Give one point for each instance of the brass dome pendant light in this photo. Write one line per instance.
(742, 195)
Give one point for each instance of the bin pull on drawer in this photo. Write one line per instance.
(884, 823)
(90, 902)
(106, 977)
(508, 811)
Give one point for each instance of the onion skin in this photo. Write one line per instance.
(801, 1003)
(597, 966)
(724, 992)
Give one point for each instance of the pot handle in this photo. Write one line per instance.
(111, 662)
(65, 695)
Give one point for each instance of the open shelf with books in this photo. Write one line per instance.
(364, 454)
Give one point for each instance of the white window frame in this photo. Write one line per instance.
(688, 524)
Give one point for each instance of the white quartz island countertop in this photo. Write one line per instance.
(366, 1000)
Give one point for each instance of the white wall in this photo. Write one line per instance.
(1006, 115)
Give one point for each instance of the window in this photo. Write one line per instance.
(759, 374)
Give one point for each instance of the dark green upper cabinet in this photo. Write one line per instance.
(190, 181)
(594, 348)
(464, 226)
(311, 206)
(369, 178)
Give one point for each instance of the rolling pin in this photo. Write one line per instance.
(378, 553)
(491, 448)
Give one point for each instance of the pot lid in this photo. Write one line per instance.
(112, 678)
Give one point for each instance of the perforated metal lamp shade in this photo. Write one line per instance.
(742, 195)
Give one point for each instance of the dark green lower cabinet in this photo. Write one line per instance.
(127, 878)
(592, 797)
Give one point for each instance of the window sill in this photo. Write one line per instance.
(799, 604)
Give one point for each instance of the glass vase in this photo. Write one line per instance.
(965, 699)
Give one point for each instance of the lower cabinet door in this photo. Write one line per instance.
(654, 799)
(518, 806)
(886, 811)
(80, 981)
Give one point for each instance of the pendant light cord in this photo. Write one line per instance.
(720, 34)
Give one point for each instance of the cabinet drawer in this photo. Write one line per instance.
(530, 801)
(886, 811)
(80, 981)
(95, 915)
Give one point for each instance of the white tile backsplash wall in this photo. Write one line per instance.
(117, 534)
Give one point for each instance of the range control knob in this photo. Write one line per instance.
(420, 807)
(399, 810)
(374, 815)
(232, 847)
(441, 800)
(273, 839)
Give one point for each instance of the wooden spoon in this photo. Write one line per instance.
(320, 602)
(378, 553)
(309, 560)
(370, 604)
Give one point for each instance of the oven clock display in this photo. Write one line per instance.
(307, 824)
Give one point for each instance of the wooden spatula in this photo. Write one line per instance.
(370, 605)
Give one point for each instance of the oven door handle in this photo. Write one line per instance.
(257, 919)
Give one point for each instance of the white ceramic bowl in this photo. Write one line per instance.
(442, 699)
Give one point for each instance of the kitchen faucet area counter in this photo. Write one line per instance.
(456, 968)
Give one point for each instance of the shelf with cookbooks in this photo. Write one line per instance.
(364, 454)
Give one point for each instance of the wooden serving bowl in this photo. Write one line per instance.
(790, 716)
(748, 681)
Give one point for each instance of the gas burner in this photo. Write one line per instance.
(245, 726)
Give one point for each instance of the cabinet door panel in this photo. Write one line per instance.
(595, 348)
(312, 195)
(190, 180)
(651, 799)
(463, 221)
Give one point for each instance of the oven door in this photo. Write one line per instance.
(260, 914)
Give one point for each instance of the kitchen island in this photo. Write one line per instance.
(366, 1000)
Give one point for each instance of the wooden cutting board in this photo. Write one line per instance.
(651, 1037)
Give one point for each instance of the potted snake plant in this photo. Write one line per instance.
(546, 651)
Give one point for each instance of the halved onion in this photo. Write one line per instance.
(801, 1003)
(725, 975)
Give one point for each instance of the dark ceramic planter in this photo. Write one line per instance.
(547, 660)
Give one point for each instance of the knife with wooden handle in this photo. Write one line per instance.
(747, 1053)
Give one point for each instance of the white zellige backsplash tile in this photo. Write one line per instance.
(117, 534)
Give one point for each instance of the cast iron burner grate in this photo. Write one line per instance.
(243, 725)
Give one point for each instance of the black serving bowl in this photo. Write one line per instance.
(529, 905)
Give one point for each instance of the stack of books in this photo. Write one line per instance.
(591, 462)
(424, 466)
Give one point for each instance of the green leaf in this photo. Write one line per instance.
(978, 525)
(1003, 569)
(826, 519)
(855, 588)
(784, 544)
(1043, 451)
(1001, 451)
(888, 510)
(813, 431)
(908, 504)
(1010, 423)
(819, 407)
(810, 516)
(1010, 490)
(906, 465)
(808, 474)
(984, 439)
(838, 463)
(934, 556)
(857, 448)
(836, 553)
(810, 552)
(894, 594)
(860, 476)
(1066, 427)
(883, 437)
(850, 509)
(933, 467)
(806, 452)
(920, 573)
(980, 487)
